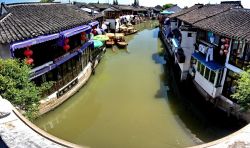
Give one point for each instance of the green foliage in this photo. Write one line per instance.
(16, 87)
(47, 1)
(166, 6)
(242, 94)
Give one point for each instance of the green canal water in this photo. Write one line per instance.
(126, 103)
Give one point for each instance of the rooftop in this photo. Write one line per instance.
(204, 12)
(234, 23)
(25, 21)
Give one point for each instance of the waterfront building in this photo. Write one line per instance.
(210, 44)
(53, 39)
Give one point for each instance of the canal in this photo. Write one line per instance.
(131, 102)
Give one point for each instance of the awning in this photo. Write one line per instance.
(34, 41)
(92, 24)
(74, 31)
(210, 64)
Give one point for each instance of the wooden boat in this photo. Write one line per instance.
(120, 40)
(132, 31)
(122, 44)
(110, 43)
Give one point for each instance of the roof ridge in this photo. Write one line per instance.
(199, 6)
(33, 4)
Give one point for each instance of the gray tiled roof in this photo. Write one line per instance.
(233, 23)
(123, 7)
(30, 20)
(185, 10)
(100, 5)
(204, 12)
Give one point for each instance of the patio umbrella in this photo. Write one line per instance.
(101, 37)
(97, 43)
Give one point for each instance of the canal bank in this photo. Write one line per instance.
(131, 100)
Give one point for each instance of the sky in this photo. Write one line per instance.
(181, 3)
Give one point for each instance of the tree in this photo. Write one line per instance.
(242, 93)
(16, 87)
(166, 6)
(47, 1)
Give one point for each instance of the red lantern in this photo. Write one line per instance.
(66, 41)
(222, 47)
(66, 47)
(83, 38)
(225, 51)
(29, 61)
(83, 33)
(28, 53)
(226, 46)
(221, 52)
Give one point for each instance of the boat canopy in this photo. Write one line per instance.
(97, 43)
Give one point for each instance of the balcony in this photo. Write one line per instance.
(208, 75)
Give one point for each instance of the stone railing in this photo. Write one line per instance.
(17, 131)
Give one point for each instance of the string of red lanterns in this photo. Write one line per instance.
(66, 46)
(83, 37)
(28, 53)
(224, 46)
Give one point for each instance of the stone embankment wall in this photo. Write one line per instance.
(50, 104)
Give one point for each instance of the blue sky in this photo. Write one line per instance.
(181, 3)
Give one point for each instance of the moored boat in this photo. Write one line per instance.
(110, 42)
(120, 40)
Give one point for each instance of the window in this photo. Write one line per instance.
(199, 67)
(202, 69)
(216, 39)
(189, 35)
(207, 72)
(220, 74)
(230, 84)
(201, 35)
(239, 55)
(212, 76)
